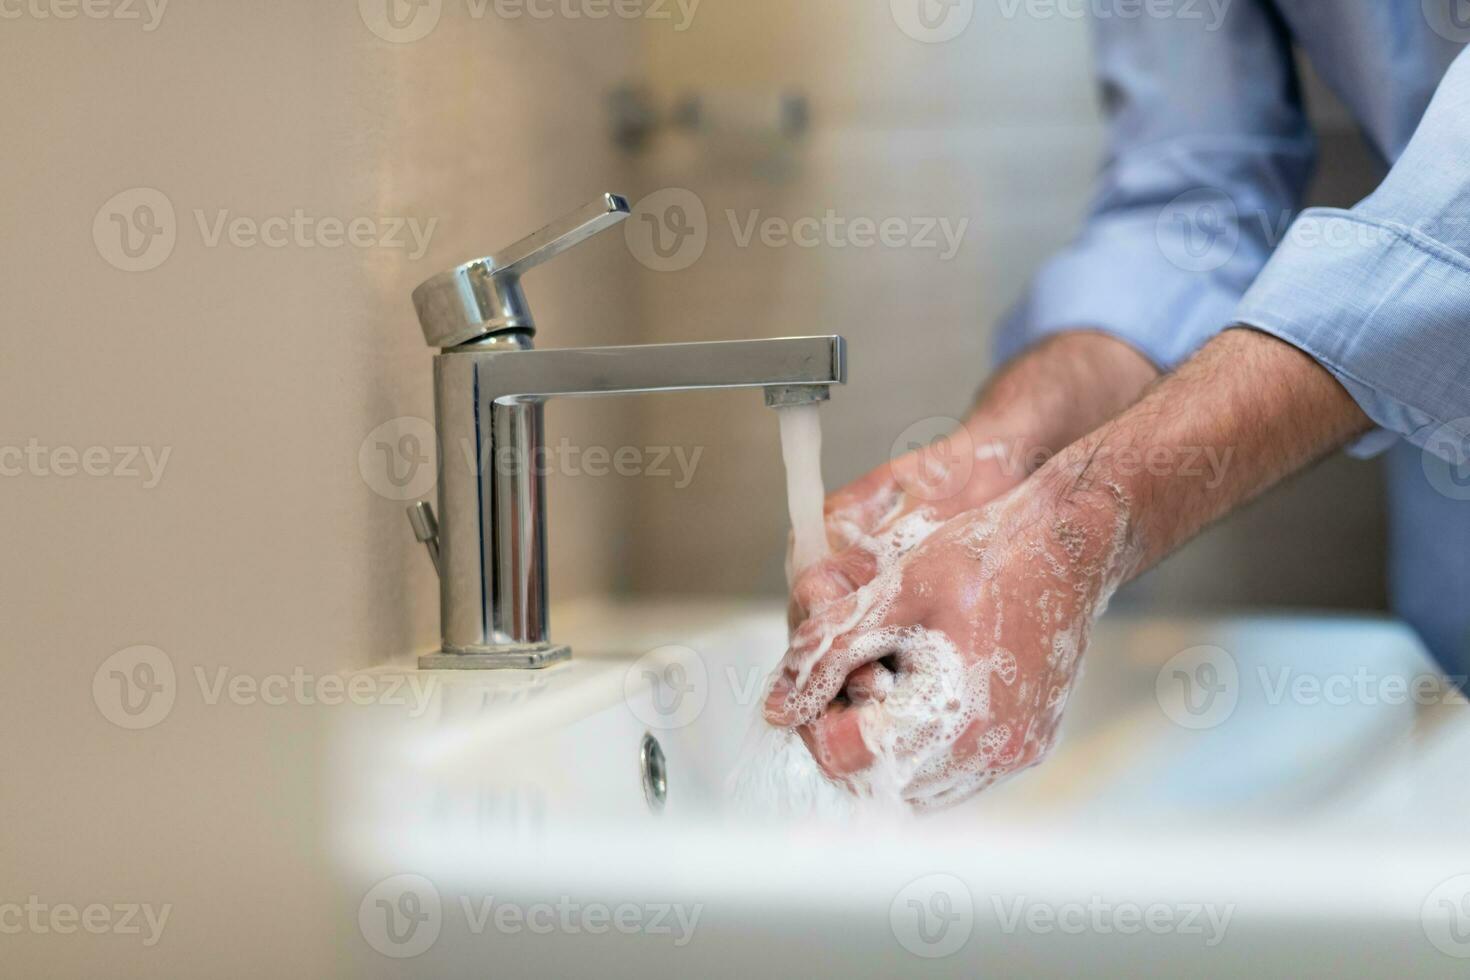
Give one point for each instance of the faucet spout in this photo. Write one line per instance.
(523, 375)
(489, 404)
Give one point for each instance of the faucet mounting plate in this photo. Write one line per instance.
(491, 658)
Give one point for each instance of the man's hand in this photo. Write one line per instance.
(889, 510)
(951, 667)
(948, 669)
(1036, 405)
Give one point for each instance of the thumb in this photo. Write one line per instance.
(823, 652)
(828, 580)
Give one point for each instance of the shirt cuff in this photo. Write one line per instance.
(1163, 280)
(1383, 307)
(1163, 317)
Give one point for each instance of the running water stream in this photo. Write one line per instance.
(801, 451)
(776, 777)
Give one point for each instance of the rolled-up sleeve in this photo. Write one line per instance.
(1380, 295)
(1208, 154)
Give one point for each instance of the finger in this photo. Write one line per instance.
(824, 651)
(986, 752)
(828, 580)
(835, 740)
(861, 506)
(938, 471)
(869, 684)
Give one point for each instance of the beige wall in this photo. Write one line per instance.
(261, 370)
(262, 550)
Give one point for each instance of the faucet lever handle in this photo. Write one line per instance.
(484, 297)
(426, 530)
(559, 235)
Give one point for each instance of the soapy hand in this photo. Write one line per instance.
(1054, 393)
(871, 516)
(950, 666)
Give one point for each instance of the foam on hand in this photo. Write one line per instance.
(941, 716)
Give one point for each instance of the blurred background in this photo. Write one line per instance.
(264, 369)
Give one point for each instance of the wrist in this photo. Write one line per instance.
(1057, 391)
(1095, 483)
(1239, 416)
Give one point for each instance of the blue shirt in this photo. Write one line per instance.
(1194, 228)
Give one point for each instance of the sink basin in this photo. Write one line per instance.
(1227, 796)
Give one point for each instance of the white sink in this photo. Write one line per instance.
(1311, 827)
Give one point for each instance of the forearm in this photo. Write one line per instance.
(1244, 413)
(1057, 391)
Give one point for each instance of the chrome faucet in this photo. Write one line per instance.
(488, 543)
